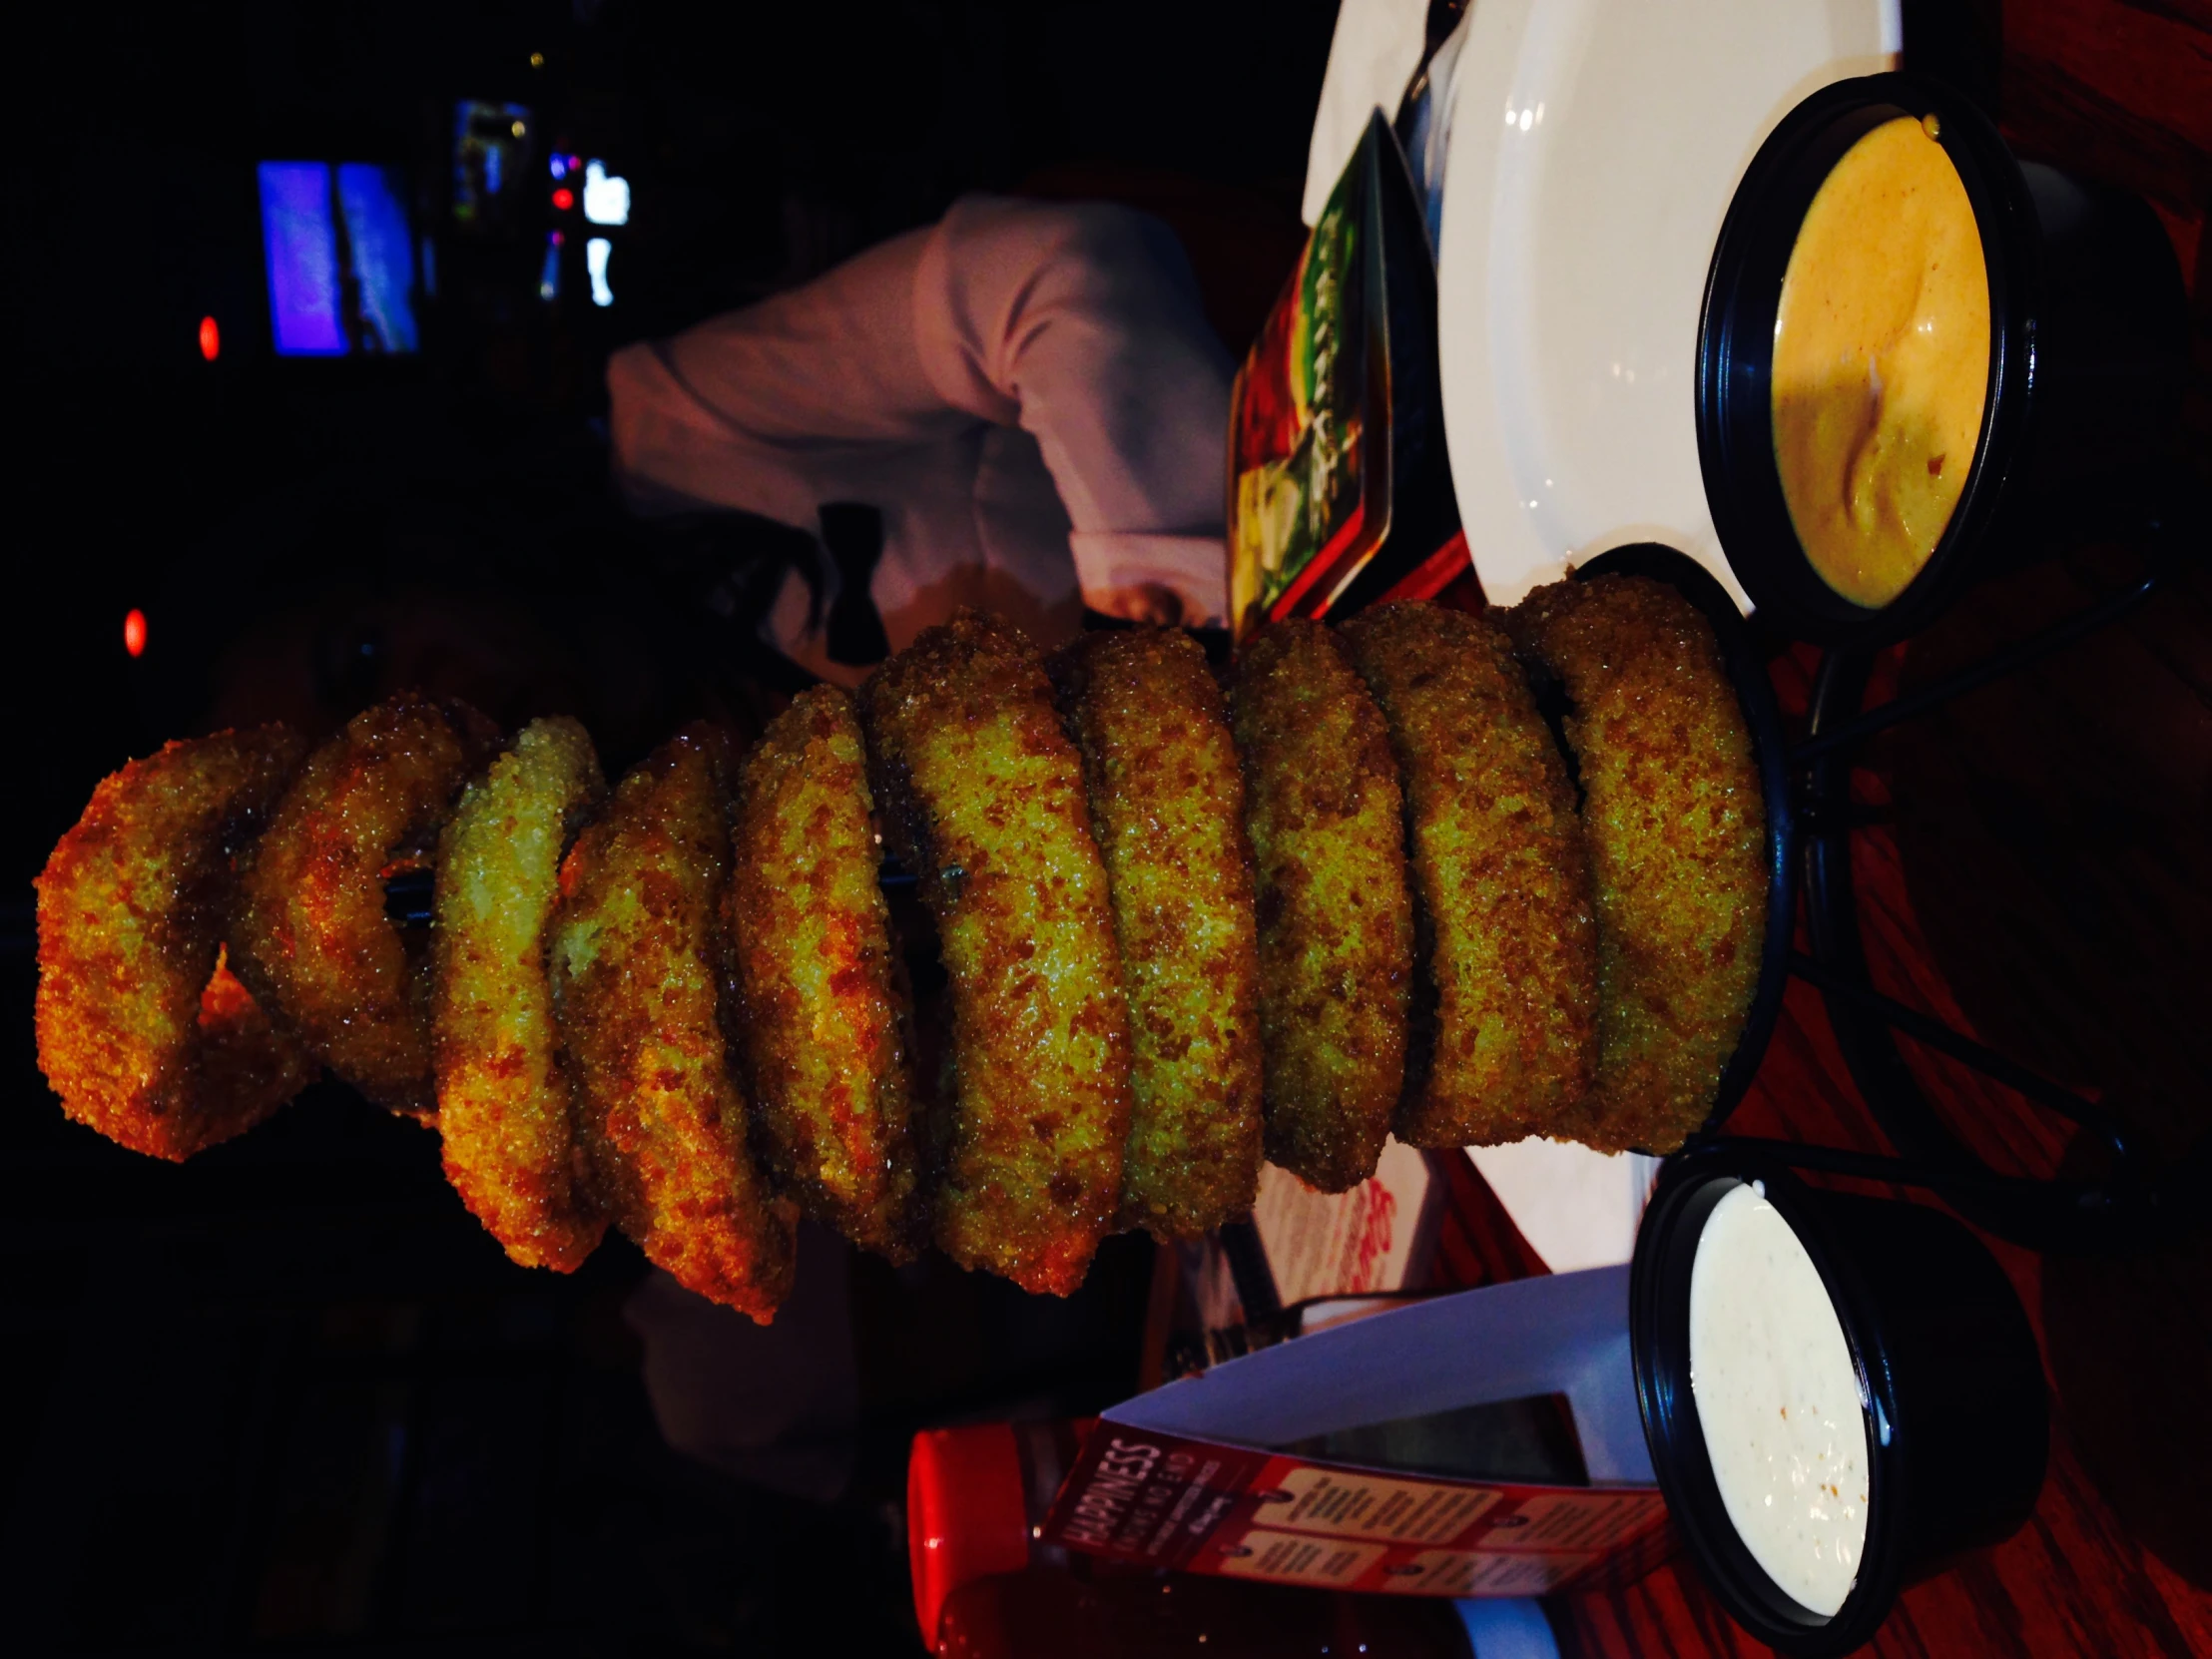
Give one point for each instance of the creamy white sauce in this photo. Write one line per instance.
(1777, 1399)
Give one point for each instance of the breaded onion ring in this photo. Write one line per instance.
(1324, 812)
(504, 1103)
(638, 960)
(142, 1029)
(827, 1025)
(1166, 810)
(1506, 1040)
(982, 796)
(311, 937)
(1677, 831)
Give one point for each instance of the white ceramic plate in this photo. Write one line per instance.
(1595, 146)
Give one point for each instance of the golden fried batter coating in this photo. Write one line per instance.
(1324, 812)
(826, 1026)
(142, 1028)
(1507, 1041)
(505, 1105)
(982, 793)
(1677, 831)
(311, 937)
(1166, 810)
(638, 960)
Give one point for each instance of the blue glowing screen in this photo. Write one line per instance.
(340, 259)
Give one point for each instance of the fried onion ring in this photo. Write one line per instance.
(1166, 810)
(1325, 811)
(1505, 1041)
(504, 1102)
(142, 1028)
(311, 937)
(826, 1023)
(639, 962)
(1677, 831)
(982, 796)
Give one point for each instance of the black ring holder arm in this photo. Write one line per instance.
(2133, 1201)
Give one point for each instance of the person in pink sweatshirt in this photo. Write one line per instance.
(1020, 407)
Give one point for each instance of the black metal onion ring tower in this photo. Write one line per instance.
(2088, 361)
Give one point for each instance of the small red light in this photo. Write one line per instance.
(211, 338)
(564, 198)
(134, 625)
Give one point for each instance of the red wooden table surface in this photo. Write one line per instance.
(2041, 877)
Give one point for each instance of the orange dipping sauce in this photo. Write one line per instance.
(1881, 362)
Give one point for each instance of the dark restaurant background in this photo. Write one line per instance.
(292, 1393)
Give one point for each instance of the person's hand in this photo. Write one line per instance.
(1147, 602)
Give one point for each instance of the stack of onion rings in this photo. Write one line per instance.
(1410, 944)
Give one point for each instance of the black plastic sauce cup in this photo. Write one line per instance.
(2089, 360)
(1950, 1380)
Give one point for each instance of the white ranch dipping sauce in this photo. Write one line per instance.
(1778, 1399)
